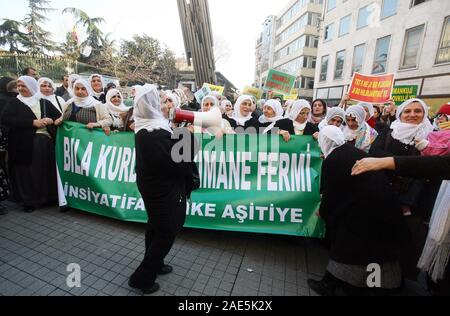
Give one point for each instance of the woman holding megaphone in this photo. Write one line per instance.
(163, 183)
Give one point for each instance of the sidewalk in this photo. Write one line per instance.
(35, 250)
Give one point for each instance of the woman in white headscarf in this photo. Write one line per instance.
(272, 113)
(370, 113)
(354, 215)
(72, 79)
(210, 102)
(87, 110)
(242, 120)
(296, 122)
(98, 85)
(335, 116)
(163, 183)
(228, 108)
(120, 113)
(358, 132)
(30, 124)
(47, 91)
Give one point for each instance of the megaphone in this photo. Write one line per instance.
(213, 118)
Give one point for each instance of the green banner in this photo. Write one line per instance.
(401, 94)
(249, 183)
(279, 82)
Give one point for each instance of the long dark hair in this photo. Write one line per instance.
(324, 104)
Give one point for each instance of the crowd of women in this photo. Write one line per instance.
(377, 217)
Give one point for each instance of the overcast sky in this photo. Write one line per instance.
(235, 22)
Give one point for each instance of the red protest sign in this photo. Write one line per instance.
(373, 89)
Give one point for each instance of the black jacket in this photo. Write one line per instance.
(423, 167)
(288, 125)
(18, 118)
(253, 123)
(362, 214)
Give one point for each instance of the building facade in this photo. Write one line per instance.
(410, 38)
(293, 38)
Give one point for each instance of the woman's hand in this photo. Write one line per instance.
(107, 130)
(373, 164)
(133, 127)
(316, 136)
(59, 121)
(48, 121)
(391, 109)
(345, 99)
(191, 129)
(286, 136)
(39, 124)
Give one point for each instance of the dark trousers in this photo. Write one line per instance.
(165, 221)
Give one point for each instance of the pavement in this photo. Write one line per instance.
(36, 250)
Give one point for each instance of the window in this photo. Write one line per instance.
(340, 61)
(306, 83)
(324, 68)
(389, 8)
(381, 55)
(363, 17)
(411, 47)
(358, 58)
(443, 55)
(344, 26)
(329, 29)
(331, 4)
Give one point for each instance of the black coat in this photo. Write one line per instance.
(386, 146)
(239, 129)
(162, 182)
(363, 217)
(288, 125)
(423, 167)
(18, 118)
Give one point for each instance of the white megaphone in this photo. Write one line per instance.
(213, 118)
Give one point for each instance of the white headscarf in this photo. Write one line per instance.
(96, 94)
(364, 135)
(408, 133)
(357, 112)
(369, 107)
(331, 138)
(212, 98)
(277, 108)
(331, 114)
(295, 111)
(115, 110)
(53, 99)
(87, 102)
(175, 99)
(147, 110)
(32, 85)
(237, 116)
(72, 79)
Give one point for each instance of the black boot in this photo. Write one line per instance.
(326, 287)
(166, 269)
(3, 210)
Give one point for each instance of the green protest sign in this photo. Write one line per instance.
(402, 93)
(249, 183)
(279, 82)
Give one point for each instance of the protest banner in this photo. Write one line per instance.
(200, 94)
(257, 93)
(403, 93)
(257, 184)
(372, 89)
(214, 88)
(279, 82)
(293, 96)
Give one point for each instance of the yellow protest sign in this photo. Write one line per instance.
(215, 88)
(257, 93)
(292, 96)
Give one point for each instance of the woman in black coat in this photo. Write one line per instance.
(164, 185)
(363, 219)
(98, 85)
(242, 120)
(296, 121)
(31, 134)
